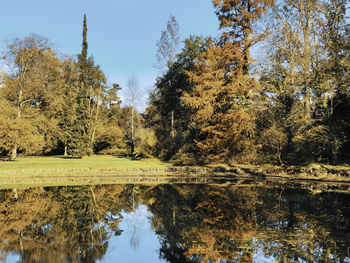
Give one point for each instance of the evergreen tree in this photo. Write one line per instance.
(66, 106)
(167, 112)
(82, 144)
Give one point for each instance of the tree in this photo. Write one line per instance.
(17, 133)
(301, 79)
(33, 66)
(236, 21)
(97, 93)
(82, 144)
(220, 104)
(65, 104)
(132, 87)
(221, 99)
(168, 45)
(166, 53)
(336, 39)
(110, 130)
(167, 114)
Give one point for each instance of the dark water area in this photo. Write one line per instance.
(174, 223)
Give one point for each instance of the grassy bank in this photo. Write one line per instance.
(91, 162)
(105, 169)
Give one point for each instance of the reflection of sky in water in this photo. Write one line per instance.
(138, 241)
(11, 258)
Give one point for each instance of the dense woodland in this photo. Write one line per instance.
(274, 87)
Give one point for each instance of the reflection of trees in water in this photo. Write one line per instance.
(313, 228)
(231, 223)
(134, 241)
(61, 224)
(194, 223)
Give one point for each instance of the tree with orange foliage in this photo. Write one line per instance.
(220, 100)
(236, 21)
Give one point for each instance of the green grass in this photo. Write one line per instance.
(91, 162)
(106, 169)
(97, 169)
(57, 168)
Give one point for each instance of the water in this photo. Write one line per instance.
(174, 223)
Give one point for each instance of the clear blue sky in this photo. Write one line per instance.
(122, 34)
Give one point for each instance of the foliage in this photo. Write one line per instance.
(81, 144)
(20, 133)
(220, 104)
(211, 103)
(167, 114)
(145, 142)
(303, 76)
(273, 140)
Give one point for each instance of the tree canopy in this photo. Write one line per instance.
(212, 101)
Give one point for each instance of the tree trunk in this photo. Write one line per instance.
(174, 215)
(15, 193)
(19, 108)
(172, 133)
(65, 150)
(14, 153)
(247, 43)
(132, 149)
(19, 115)
(96, 117)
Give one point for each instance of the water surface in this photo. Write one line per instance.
(174, 223)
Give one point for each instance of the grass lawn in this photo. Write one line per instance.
(91, 162)
(88, 166)
(106, 169)
(97, 169)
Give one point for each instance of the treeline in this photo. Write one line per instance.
(214, 103)
(57, 104)
(211, 103)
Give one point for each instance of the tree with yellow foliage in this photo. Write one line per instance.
(220, 100)
(32, 69)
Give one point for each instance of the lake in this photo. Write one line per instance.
(175, 223)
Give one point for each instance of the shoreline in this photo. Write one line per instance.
(316, 174)
(100, 169)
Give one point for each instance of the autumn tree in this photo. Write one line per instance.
(336, 39)
(220, 104)
(97, 95)
(32, 72)
(18, 133)
(236, 22)
(110, 135)
(221, 101)
(165, 103)
(307, 40)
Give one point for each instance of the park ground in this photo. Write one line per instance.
(106, 169)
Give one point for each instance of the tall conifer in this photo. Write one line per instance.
(82, 145)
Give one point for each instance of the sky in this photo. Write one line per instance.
(122, 34)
